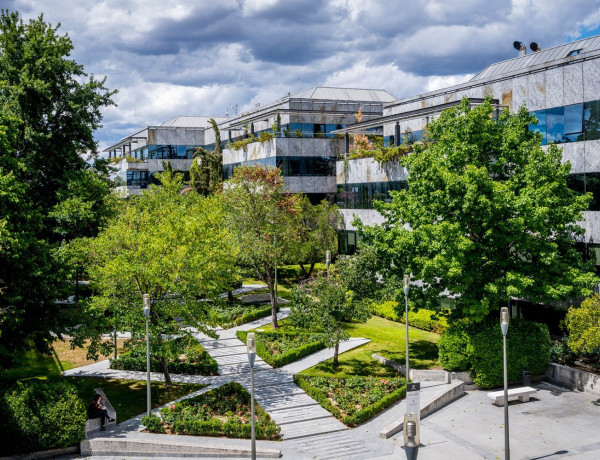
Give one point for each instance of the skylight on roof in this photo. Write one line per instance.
(574, 52)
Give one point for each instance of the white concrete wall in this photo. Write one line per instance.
(368, 170)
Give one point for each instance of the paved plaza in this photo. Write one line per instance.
(555, 423)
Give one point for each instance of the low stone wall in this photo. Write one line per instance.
(574, 378)
(420, 375)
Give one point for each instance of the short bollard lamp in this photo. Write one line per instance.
(251, 344)
(406, 283)
(146, 299)
(411, 435)
(504, 326)
(328, 261)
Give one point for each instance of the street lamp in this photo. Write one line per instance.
(251, 344)
(275, 251)
(328, 261)
(504, 327)
(406, 289)
(146, 298)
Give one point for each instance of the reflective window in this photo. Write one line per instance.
(290, 166)
(588, 182)
(592, 120)
(540, 127)
(361, 196)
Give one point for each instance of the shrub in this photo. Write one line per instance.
(287, 343)
(224, 411)
(353, 400)
(253, 315)
(561, 353)
(197, 360)
(39, 415)
(421, 319)
(477, 347)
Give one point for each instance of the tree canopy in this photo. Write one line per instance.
(49, 109)
(174, 247)
(583, 325)
(260, 213)
(487, 216)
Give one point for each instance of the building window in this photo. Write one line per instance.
(574, 52)
(362, 195)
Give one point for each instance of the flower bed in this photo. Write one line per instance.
(280, 348)
(353, 400)
(186, 356)
(224, 411)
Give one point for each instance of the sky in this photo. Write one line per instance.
(204, 57)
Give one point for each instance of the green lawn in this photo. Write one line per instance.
(128, 397)
(387, 339)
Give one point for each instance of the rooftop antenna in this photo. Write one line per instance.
(235, 107)
(227, 112)
(533, 46)
(520, 47)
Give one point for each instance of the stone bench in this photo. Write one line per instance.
(522, 394)
(94, 423)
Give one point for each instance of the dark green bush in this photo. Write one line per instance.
(39, 415)
(153, 423)
(453, 348)
(287, 357)
(561, 353)
(253, 315)
(197, 360)
(421, 319)
(477, 348)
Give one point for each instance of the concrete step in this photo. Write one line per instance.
(299, 399)
(306, 428)
(242, 368)
(305, 413)
(177, 446)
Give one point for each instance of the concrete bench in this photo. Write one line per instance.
(522, 393)
(94, 423)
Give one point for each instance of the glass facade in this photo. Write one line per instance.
(290, 166)
(164, 152)
(362, 195)
(144, 178)
(587, 182)
(406, 138)
(347, 240)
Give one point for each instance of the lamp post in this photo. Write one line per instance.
(504, 327)
(146, 298)
(328, 261)
(411, 436)
(406, 289)
(251, 344)
(275, 250)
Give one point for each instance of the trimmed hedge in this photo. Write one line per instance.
(284, 358)
(199, 362)
(350, 420)
(477, 348)
(253, 315)
(421, 319)
(223, 411)
(39, 415)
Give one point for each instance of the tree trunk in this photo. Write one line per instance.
(271, 284)
(310, 270)
(336, 350)
(303, 271)
(165, 368)
(230, 297)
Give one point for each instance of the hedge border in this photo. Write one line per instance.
(285, 358)
(360, 416)
(253, 315)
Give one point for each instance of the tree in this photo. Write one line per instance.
(325, 303)
(583, 325)
(487, 216)
(49, 110)
(206, 172)
(174, 247)
(317, 233)
(261, 215)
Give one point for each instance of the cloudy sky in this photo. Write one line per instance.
(202, 57)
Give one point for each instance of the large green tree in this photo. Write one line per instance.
(174, 247)
(49, 111)
(206, 172)
(487, 216)
(261, 215)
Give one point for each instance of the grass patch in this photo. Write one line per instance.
(224, 411)
(128, 397)
(387, 339)
(353, 400)
(280, 348)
